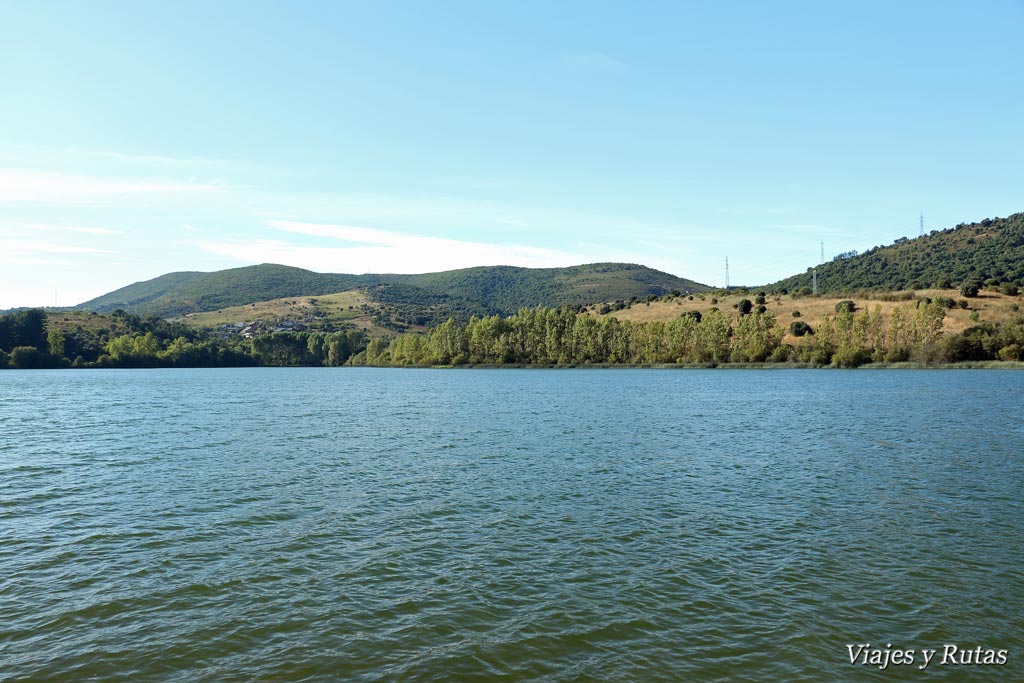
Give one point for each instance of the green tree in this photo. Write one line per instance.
(336, 353)
(315, 347)
(899, 335)
(55, 340)
(447, 344)
(928, 320)
(119, 347)
(713, 333)
(583, 331)
(24, 328)
(181, 353)
(145, 345)
(757, 336)
(8, 336)
(27, 358)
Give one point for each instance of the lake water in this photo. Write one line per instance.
(508, 525)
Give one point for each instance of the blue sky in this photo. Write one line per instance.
(140, 138)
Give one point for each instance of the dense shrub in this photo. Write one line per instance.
(1011, 352)
(969, 290)
(27, 357)
(744, 306)
(799, 328)
(851, 358)
(972, 344)
(846, 306)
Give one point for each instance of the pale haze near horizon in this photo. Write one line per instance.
(138, 139)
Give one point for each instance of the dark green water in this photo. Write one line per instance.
(407, 525)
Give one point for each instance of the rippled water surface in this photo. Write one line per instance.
(507, 525)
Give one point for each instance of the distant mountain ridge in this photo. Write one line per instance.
(480, 291)
(989, 249)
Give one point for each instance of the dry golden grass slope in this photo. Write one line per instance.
(990, 306)
(71, 320)
(339, 308)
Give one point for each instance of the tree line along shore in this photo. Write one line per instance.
(730, 328)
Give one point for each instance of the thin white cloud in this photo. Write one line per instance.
(22, 251)
(25, 246)
(92, 231)
(445, 214)
(16, 153)
(403, 248)
(161, 159)
(20, 228)
(368, 250)
(753, 211)
(39, 244)
(347, 233)
(21, 185)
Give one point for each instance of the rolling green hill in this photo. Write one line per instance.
(991, 249)
(505, 289)
(415, 299)
(178, 293)
(140, 294)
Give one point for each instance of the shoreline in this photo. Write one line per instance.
(906, 365)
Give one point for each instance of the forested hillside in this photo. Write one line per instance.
(141, 294)
(506, 289)
(991, 250)
(177, 293)
(423, 298)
